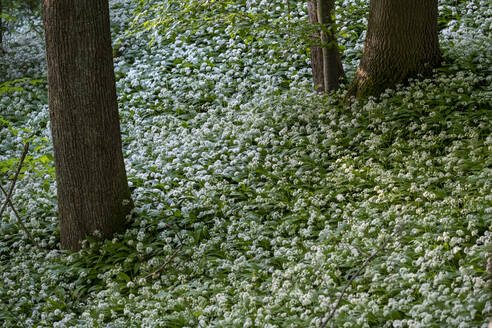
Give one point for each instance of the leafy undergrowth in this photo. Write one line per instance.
(275, 196)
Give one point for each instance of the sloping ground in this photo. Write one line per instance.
(274, 196)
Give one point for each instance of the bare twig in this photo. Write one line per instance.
(366, 262)
(20, 221)
(9, 194)
(12, 185)
(170, 258)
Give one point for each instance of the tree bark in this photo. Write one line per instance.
(316, 52)
(93, 191)
(401, 43)
(332, 64)
(326, 61)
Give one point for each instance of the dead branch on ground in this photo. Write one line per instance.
(170, 257)
(366, 262)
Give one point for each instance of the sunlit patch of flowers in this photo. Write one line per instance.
(277, 195)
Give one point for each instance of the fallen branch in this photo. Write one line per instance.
(366, 262)
(20, 221)
(12, 185)
(9, 194)
(169, 259)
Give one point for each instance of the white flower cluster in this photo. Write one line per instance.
(276, 195)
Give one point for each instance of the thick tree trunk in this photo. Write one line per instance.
(93, 191)
(326, 62)
(401, 43)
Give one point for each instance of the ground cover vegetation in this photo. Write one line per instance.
(258, 198)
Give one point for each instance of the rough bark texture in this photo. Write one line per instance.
(316, 52)
(326, 62)
(401, 43)
(93, 191)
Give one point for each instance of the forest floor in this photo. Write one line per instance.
(264, 198)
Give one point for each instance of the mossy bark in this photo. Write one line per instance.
(326, 61)
(333, 72)
(93, 191)
(401, 43)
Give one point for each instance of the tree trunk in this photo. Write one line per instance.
(401, 43)
(332, 64)
(316, 52)
(326, 62)
(93, 191)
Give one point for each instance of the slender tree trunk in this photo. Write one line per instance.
(332, 64)
(401, 43)
(93, 191)
(326, 62)
(316, 52)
